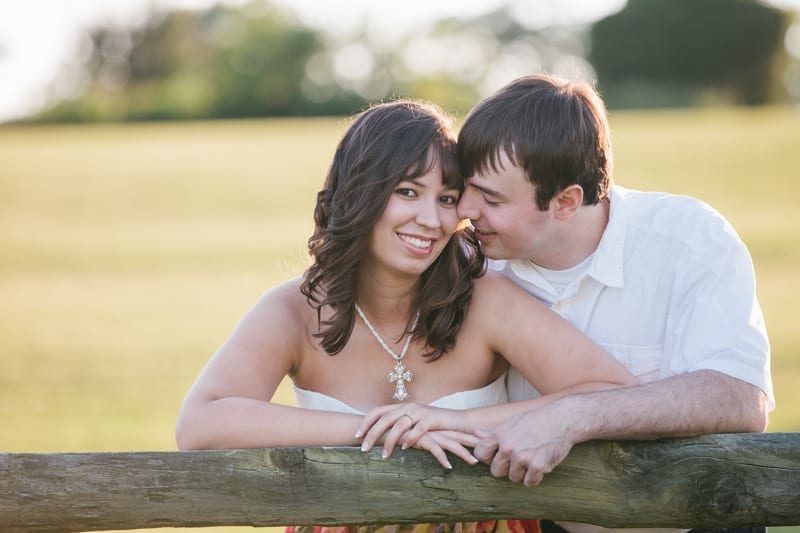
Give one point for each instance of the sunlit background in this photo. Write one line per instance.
(140, 59)
(159, 162)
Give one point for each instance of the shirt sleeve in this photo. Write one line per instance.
(717, 321)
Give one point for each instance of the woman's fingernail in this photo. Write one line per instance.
(473, 459)
(404, 446)
(449, 466)
(364, 446)
(358, 434)
(385, 454)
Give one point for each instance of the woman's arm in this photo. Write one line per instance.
(229, 405)
(551, 353)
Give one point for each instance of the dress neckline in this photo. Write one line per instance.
(492, 393)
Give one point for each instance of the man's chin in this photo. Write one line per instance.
(492, 252)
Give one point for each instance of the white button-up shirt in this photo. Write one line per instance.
(670, 289)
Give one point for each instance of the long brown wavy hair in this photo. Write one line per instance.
(385, 144)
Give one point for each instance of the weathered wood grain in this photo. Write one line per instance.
(711, 481)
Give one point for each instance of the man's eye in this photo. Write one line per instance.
(491, 203)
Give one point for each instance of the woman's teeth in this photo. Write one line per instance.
(417, 243)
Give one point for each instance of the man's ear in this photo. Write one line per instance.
(568, 201)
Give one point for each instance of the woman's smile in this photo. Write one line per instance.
(421, 244)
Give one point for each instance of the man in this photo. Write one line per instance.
(662, 282)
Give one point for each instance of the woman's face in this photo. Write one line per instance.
(417, 223)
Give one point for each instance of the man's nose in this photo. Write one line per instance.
(466, 207)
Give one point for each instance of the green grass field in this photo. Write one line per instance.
(128, 252)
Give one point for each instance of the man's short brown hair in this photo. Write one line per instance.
(556, 130)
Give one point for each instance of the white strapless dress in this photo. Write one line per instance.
(491, 394)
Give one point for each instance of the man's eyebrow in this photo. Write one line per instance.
(486, 190)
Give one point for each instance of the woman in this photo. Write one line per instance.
(393, 308)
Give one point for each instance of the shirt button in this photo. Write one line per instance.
(559, 305)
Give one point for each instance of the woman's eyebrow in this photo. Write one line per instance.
(414, 181)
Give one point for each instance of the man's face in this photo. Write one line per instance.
(502, 207)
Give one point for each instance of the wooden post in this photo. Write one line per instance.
(711, 481)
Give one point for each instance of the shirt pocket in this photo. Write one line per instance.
(644, 362)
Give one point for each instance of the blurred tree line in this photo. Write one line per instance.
(685, 52)
(258, 61)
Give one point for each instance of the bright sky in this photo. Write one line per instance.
(37, 36)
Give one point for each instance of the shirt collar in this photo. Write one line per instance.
(523, 269)
(607, 263)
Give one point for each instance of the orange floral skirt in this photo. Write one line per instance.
(489, 526)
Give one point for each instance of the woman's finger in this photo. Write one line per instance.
(452, 444)
(403, 416)
(382, 419)
(433, 418)
(371, 418)
(400, 427)
(464, 439)
(429, 444)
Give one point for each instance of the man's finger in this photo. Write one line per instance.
(533, 478)
(517, 471)
(486, 449)
(499, 466)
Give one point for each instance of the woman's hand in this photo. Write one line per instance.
(437, 442)
(413, 425)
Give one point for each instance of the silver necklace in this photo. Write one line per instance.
(400, 374)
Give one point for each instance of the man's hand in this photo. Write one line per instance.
(530, 445)
(525, 447)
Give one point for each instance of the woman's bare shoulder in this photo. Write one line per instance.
(284, 303)
(495, 284)
(493, 291)
(287, 292)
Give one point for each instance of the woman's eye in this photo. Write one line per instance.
(448, 200)
(408, 193)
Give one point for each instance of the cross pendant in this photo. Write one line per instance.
(399, 376)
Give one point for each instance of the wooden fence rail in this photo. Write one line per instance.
(711, 481)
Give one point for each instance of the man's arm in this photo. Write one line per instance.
(530, 445)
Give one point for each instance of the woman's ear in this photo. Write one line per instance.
(568, 201)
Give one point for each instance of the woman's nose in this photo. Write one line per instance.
(428, 215)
